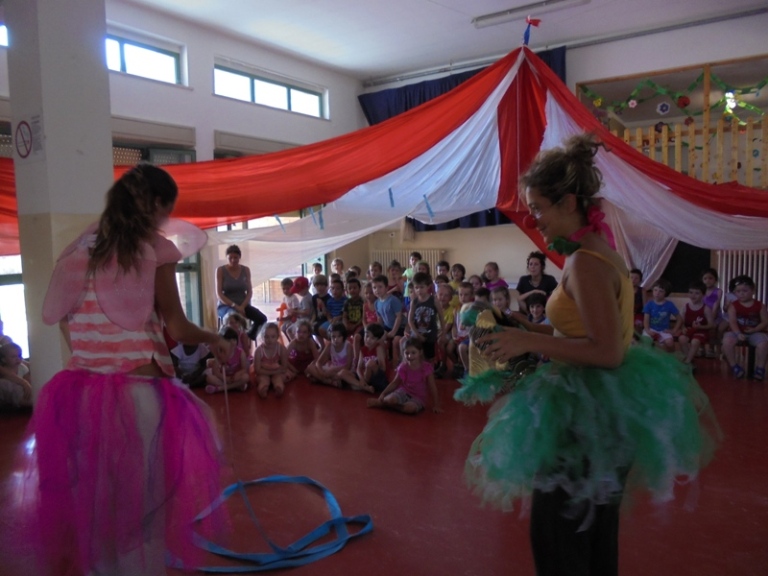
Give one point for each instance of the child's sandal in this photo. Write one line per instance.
(737, 371)
(759, 374)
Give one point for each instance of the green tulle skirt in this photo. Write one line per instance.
(582, 429)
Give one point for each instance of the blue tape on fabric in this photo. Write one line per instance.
(391, 199)
(312, 213)
(429, 208)
(280, 222)
(297, 554)
(320, 217)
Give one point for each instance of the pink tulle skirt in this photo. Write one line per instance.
(120, 466)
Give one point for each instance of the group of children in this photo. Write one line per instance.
(390, 334)
(709, 321)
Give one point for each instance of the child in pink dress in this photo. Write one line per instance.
(302, 351)
(407, 393)
(108, 486)
(270, 362)
(234, 367)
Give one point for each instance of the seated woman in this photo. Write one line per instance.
(535, 282)
(234, 291)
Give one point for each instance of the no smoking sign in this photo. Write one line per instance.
(29, 138)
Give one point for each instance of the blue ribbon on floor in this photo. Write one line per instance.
(303, 551)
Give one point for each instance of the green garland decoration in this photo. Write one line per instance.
(675, 95)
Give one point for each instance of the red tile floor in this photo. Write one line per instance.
(406, 472)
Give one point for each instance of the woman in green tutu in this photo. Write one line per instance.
(603, 416)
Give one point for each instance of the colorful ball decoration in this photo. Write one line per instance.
(688, 121)
(659, 127)
(663, 108)
(683, 102)
(597, 102)
(632, 103)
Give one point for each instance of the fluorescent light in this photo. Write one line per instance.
(520, 12)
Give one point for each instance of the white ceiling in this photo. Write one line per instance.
(371, 39)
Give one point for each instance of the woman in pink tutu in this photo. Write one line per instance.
(124, 456)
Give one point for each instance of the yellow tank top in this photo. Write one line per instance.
(564, 315)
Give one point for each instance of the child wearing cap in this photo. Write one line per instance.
(301, 306)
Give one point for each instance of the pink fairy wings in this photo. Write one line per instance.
(127, 299)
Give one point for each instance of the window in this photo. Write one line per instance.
(188, 280)
(3, 35)
(252, 87)
(13, 309)
(143, 60)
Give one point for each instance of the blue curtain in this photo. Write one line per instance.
(382, 105)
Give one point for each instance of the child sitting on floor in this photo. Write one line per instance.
(501, 300)
(492, 277)
(352, 313)
(659, 315)
(748, 321)
(369, 305)
(302, 351)
(235, 369)
(449, 303)
(458, 348)
(319, 310)
(15, 389)
(537, 305)
(239, 324)
(407, 393)
(335, 358)
(713, 298)
(303, 310)
(389, 309)
(482, 294)
(476, 282)
(189, 362)
(370, 373)
(698, 320)
(270, 362)
(334, 308)
(425, 315)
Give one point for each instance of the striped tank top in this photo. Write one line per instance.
(99, 345)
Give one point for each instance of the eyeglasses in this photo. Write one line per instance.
(538, 212)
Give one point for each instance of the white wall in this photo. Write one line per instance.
(196, 106)
(506, 245)
(684, 47)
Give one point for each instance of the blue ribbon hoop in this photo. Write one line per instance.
(303, 551)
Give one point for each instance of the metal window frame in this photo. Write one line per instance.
(122, 41)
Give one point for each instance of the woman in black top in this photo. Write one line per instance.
(535, 282)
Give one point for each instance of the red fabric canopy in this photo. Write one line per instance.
(226, 191)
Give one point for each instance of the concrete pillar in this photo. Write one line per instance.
(60, 112)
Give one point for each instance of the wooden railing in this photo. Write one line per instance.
(729, 152)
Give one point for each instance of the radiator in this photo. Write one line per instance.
(753, 263)
(430, 255)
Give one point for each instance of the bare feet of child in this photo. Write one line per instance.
(374, 403)
(211, 389)
(263, 392)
